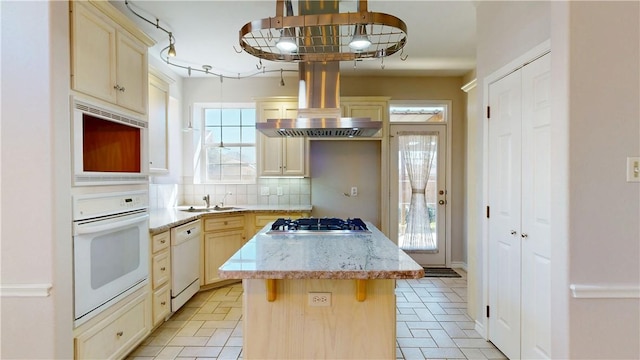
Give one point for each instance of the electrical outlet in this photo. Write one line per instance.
(633, 169)
(319, 299)
(279, 190)
(354, 191)
(264, 191)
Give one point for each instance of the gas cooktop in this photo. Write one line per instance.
(315, 225)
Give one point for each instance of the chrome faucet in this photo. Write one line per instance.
(206, 199)
(224, 198)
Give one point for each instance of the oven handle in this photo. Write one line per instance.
(95, 228)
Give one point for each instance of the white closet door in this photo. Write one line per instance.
(505, 209)
(536, 187)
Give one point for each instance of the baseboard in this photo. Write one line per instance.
(459, 265)
(481, 329)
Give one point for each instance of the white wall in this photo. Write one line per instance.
(35, 166)
(595, 126)
(604, 210)
(505, 30)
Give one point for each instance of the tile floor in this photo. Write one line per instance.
(431, 324)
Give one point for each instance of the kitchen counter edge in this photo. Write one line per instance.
(161, 220)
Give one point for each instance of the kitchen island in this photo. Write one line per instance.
(319, 295)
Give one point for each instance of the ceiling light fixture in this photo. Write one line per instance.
(324, 37)
(360, 40)
(287, 41)
(172, 48)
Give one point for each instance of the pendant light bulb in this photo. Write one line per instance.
(172, 48)
(287, 41)
(360, 40)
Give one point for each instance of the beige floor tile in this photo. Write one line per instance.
(201, 351)
(189, 341)
(431, 317)
(169, 352)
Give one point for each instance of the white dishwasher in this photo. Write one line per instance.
(185, 263)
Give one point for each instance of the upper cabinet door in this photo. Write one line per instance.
(93, 54)
(108, 59)
(131, 73)
(158, 125)
(281, 156)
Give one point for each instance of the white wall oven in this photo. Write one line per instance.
(110, 249)
(108, 146)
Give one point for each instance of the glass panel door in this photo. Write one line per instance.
(417, 179)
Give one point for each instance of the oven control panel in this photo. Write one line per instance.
(96, 205)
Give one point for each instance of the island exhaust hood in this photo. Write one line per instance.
(319, 114)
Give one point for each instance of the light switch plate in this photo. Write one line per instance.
(633, 169)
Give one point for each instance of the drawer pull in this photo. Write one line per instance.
(120, 333)
(163, 241)
(163, 268)
(163, 303)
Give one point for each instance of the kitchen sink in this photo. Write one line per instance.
(199, 209)
(225, 208)
(210, 209)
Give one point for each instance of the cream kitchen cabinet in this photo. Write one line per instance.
(158, 124)
(117, 331)
(375, 108)
(160, 277)
(223, 236)
(108, 55)
(281, 156)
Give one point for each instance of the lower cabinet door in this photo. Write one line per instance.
(218, 248)
(161, 304)
(117, 334)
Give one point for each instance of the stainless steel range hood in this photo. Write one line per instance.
(319, 108)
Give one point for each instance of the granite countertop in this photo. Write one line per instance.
(321, 256)
(164, 219)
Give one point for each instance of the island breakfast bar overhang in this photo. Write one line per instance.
(319, 295)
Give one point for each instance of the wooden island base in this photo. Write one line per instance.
(289, 328)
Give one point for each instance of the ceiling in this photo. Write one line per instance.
(440, 42)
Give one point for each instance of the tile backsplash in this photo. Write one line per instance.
(270, 191)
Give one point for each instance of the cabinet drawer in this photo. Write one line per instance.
(161, 304)
(223, 223)
(115, 335)
(160, 242)
(161, 268)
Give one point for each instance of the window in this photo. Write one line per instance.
(228, 144)
(423, 112)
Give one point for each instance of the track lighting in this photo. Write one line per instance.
(172, 48)
(360, 40)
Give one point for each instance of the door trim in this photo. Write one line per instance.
(385, 150)
(482, 323)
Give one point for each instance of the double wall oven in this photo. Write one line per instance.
(110, 206)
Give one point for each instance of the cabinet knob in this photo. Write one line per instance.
(163, 241)
(120, 333)
(524, 236)
(513, 232)
(163, 303)
(226, 223)
(163, 268)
